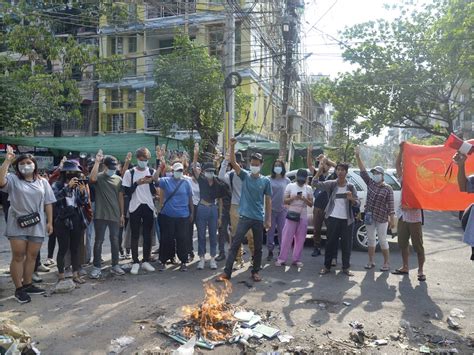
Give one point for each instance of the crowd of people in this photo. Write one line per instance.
(227, 201)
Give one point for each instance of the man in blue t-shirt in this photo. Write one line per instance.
(255, 211)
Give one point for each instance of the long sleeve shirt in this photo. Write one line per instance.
(379, 199)
(232, 180)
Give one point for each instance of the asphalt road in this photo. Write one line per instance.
(302, 303)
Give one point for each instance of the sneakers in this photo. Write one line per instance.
(135, 268)
(270, 256)
(21, 296)
(191, 257)
(128, 255)
(117, 270)
(49, 262)
(43, 268)
(82, 272)
(36, 278)
(33, 290)
(183, 268)
(200, 265)
(220, 257)
(95, 273)
(316, 252)
(147, 267)
(68, 273)
(162, 267)
(213, 264)
(122, 256)
(298, 264)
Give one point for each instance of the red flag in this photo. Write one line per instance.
(425, 182)
(457, 143)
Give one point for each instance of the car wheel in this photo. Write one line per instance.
(360, 240)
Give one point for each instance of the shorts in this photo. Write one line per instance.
(28, 239)
(406, 230)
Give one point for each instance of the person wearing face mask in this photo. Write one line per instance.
(207, 211)
(196, 167)
(339, 217)
(30, 219)
(298, 196)
(139, 185)
(109, 211)
(379, 212)
(175, 215)
(255, 211)
(69, 219)
(279, 182)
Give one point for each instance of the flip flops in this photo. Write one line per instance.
(324, 271)
(399, 272)
(422, 278)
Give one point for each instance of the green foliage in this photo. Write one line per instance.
(189, 93)
(433, 140)
(413, 72)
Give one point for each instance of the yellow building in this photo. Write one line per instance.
(126, 105)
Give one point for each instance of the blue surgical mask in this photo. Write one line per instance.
(110, 172)
(254, 169)
(142, 164)
(377, 178)
(277, 170)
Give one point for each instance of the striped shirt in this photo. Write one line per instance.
(379, 199)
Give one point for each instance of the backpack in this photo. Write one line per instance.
(130, 190)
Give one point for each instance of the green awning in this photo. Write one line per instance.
(112, 144)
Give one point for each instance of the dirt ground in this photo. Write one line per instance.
(298, 302)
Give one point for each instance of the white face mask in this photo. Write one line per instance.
(209, 175)
(26, 169)
(277, 169)
(142, 164)
(254, 169)
(378, 178)
(110, 172)
(178, 174)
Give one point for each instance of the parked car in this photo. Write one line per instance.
(360, 232)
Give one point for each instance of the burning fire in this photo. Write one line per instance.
(212, 319)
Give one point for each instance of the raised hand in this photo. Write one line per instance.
(357, 151)
(128, 157)
(196, 148)
(63, 160)
(233, 141)
(10, 154)
(459, 158)
(99, 156)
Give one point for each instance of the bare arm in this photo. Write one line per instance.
(233, 161)
(195, 160)
(309, 159)
(126, 165)
(191, 208)
(268, 211)
(460, 160)
(49, 217)
(95, 169)
(287, 198)
(9, 157)
(359, 161)
(308, 199)
(398, 162)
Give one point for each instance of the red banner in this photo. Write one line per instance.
(425, 182)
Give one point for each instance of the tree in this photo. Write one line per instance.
(414, 72)
(189, 93)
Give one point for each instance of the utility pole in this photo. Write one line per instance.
(186, 17)
(229, 63)
(289, 36)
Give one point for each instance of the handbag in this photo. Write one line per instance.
(293, 216)
(29, 220)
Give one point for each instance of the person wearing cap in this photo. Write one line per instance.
(255, 211)
(139, 184)
(69, 219)
(235, 184)
(297, 196)
(109, 211)
(175, 215)
(196, 167)
(207, 210)
(379, 211)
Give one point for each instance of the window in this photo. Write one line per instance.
(115, 123)
(131, 123)
(391, 181)
(238, 42)
(166, 46)
(216, 41)
(116, 45)
(132, 44)
(116, 98)
(132, 98)
(131, 67)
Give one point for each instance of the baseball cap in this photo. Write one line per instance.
(377, 169)
(208, 167)
(110, 162)
(177, 166)
(302, 173)
(257, 156)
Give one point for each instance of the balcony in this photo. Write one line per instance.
(158, 9)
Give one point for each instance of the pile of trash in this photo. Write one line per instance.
(15, 340)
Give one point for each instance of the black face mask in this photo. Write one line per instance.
(300, 181)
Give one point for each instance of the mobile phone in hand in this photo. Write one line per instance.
(341, 195)
(299, 193)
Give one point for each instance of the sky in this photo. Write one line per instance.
(324, 19)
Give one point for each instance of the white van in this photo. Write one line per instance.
(353, 176)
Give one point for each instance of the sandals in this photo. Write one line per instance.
(256, 277)
(369, 266)
(78, 280)
(324, 271)
(399, 272)
(422, 278)
(385, 268)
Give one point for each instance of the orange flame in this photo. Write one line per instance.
(213, 318)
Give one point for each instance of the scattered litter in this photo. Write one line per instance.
(120, 344)
(186, 349)
(395, 337)
(252, 322)
(453, 324)
(267, 331)
(356, 324)
(347, 304)
(65, 286)
(285, 338)
(379, 342)
(243, 316)
(357, 335)
(9, 328)
(142, 321)
(322, 306)
(425, 350)
(142, 327)
(403, 346)
(457, 313)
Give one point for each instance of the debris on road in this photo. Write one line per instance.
(347, 304)
(453, 324)
(186, 349)
(64, 286)
(285, 338)
(120, 344)
(457, 313)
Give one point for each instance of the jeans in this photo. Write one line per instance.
(51, 245)
(318, 220)
(223, 231)
(278, 222)
(100, 228)
(293, 231)
(174, 233)
(142, 216)
(69, 239)
(190, 232)
(338, 228)
(157, 229)
(206, 218)
(234, 221)
(90, 238)
(245, 224)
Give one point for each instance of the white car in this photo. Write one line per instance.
(353, 176)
